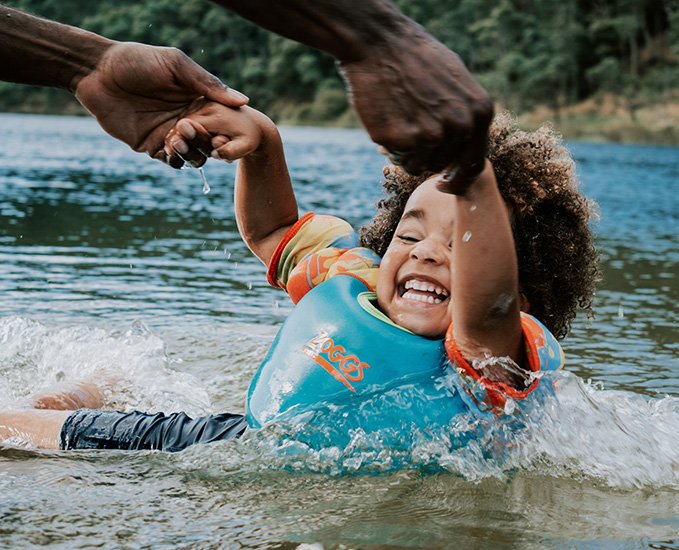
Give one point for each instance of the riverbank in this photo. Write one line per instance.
(612, 119)
(603, 119)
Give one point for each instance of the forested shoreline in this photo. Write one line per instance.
(599, 69)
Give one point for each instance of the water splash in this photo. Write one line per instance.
(567, 428)
(143, 376)
(618, 437)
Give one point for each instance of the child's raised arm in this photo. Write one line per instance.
(486, 301)
(265, 202)
(264, 199)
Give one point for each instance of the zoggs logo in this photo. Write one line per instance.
(335, 359)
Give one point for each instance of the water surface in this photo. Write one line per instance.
(119, 266)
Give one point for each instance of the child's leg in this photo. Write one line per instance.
(49, 421)
(41, 427)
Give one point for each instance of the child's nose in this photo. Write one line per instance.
(427, 251)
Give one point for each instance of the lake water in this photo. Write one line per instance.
(112, 263)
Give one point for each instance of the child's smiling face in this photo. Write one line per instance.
(415, 276)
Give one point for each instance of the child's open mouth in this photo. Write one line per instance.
(423, 291)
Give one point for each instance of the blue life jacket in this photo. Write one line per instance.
(338, 359)
(334, 349)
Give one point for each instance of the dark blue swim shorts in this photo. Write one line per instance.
(96, 429)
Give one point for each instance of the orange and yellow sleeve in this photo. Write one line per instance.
(316, 248)
(543, 352)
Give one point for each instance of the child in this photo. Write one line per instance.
(452, 264)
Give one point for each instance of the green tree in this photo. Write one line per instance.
(525, 52)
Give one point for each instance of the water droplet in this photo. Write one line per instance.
(206, 187)
(467, 236)
(249, 285)
(621, 313)
(472, 208)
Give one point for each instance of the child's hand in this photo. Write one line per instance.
(457, 182)
(215, 130)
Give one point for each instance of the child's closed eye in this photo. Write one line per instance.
(407, 238)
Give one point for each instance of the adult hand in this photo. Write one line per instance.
(418, 101)
(138, 93)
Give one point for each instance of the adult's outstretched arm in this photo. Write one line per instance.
(414, 96)
(136, 92)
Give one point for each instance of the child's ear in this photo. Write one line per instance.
(524, 304)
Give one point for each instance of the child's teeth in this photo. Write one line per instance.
(422, 298)
(421, 286)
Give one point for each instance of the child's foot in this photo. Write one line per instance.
(68, 396)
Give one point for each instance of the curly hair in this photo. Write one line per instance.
(558, 262)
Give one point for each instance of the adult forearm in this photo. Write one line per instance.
(414, 96)
(349, 30)
(40, 52)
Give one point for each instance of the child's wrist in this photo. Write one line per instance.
(270, 137)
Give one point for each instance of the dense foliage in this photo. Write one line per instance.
(525, 52)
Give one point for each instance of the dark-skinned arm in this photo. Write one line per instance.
(414, 96)
(136, 92)
(40, 52)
